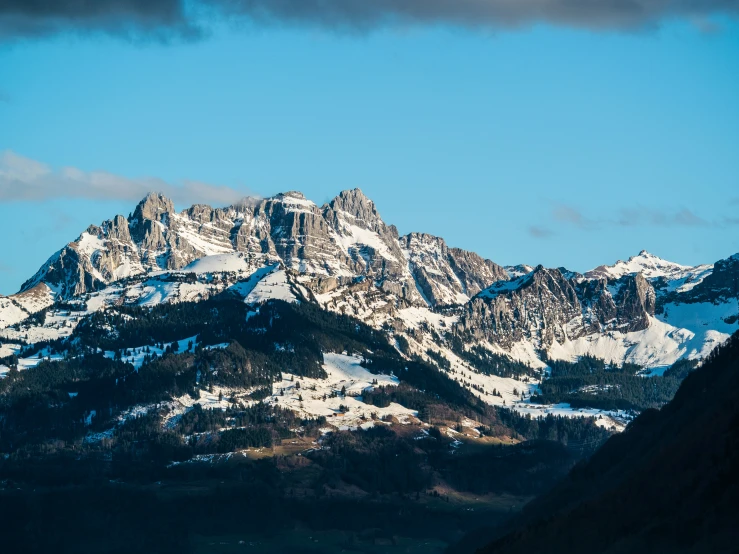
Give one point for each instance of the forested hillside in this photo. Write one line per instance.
(667, 484)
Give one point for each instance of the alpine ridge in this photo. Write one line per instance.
(442, 301)
(340, 241)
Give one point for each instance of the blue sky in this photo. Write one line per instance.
(539, 144)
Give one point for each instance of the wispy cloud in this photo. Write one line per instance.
(706, 25)
(539, 232)
(632, 217)
(24, 179)
(637, 217)
(189, 18)
(568, 214)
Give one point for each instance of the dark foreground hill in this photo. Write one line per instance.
(669, 483)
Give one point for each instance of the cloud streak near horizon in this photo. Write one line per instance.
(633, 217)
(24, 179)
(190, 19)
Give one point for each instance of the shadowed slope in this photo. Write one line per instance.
(667, 484)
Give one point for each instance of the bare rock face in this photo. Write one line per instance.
(546, 306)
(360, 210)
(120, 249)
(345, 239)
(117, 230)
(371, 246)
(474, 272)
(635, 301)
(447, 275)
(295, 229)
(155, 207)
(68, 274)
(346, 249)
(722, 285)
(600, 309)
(540, 307)
(147, 227)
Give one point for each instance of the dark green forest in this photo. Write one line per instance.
(592, 383)
(389, 474)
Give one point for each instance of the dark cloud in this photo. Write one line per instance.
(539, 232)
(131, 18)
(33, 17)
(493, 13)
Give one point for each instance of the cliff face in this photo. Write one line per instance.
(447, 275)
(546, 306)
(339, 242)
(670, 477)
(350, 260)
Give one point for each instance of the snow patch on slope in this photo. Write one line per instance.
(10, 312)
(353, 237)
(218, 263)
(135, 355)
(343, 371)
(652, 267)
(274, 286)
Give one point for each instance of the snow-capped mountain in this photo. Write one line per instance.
(17, 307)
(661, 273)
(336, 243)
(446, 275)
(646, 311)
(345, 258)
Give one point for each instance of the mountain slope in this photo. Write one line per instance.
(340, 241)
(17, 307)
(496, 330)
(667, 484)
(349, 258)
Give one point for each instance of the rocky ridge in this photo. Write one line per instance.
(343, 256)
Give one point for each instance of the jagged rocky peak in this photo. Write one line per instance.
(537, 306)
(360, 208)
(648, 264)
(515, 271)
(291, 194)
(447, 275)
(292, 201)
(715, 283)
(117, 229)
(636, 299)
(145, 228)
(155, 207)
(547, 305)
(290, 198)
(568, 273)
(201, 213)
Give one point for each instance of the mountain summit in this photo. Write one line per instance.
(648, 265)
(343, 240)
(345, 258)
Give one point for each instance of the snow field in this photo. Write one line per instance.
(343, 371)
